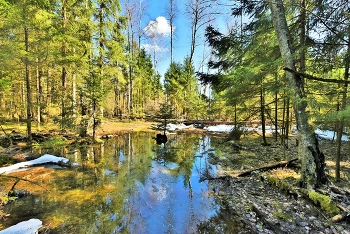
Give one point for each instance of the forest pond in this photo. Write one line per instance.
(129, 184)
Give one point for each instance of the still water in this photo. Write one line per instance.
(129, 184)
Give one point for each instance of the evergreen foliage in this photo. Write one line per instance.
(74, 62)
(182, 90)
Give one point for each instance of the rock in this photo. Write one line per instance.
(334, 230)
(311, 218)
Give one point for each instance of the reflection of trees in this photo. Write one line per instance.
(180, 149)
(96, 197)
(93, 198)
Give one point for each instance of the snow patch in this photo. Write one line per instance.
(46, 158)
(219, 128)
(173, 127)
(26, 227)
(223, 128)
(328, 135)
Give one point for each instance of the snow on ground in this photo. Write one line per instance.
(329, 135)
(46, 158)
(219, 128)
(228, 128)
(173, 127)
(26, 227)
(323, 134)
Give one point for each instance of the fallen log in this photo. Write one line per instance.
(342, 191)
(268, 167)
(341, 200)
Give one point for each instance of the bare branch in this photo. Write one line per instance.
(311, 77)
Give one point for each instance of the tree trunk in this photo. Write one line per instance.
(29, 91)
(262, 111)
(342, 107)
(116, 109)
(39, 94)
(130, 70)
(276, 109)
(74, 93)
(312, 160)
(288, 119)
(64, 69)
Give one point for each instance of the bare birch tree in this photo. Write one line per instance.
(200, 12)
(172, 11)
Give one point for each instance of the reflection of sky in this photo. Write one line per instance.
(121, 157)
(99, 200)
(164, 205)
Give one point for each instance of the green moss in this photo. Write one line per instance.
(4, 160)
(280, 184)
(324, 201)
(283, 216)
(4, 198)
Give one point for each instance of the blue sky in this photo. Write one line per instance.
(182, 41)
(182, 34)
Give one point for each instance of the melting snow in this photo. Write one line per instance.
(219, 128)
(46, 158)
(324, 134)
(329, 135)
(26, 227)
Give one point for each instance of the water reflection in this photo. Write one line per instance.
(129, 184)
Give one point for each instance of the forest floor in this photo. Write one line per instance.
(270, 201)
(265, 201)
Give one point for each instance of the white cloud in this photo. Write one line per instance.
(150, 48)
(160, 27)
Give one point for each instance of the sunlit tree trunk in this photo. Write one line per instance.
(199, 12)
(64, 69)
(172, 11)
(312, 160)
(39, 94)
(117, 108)
(130, 69)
